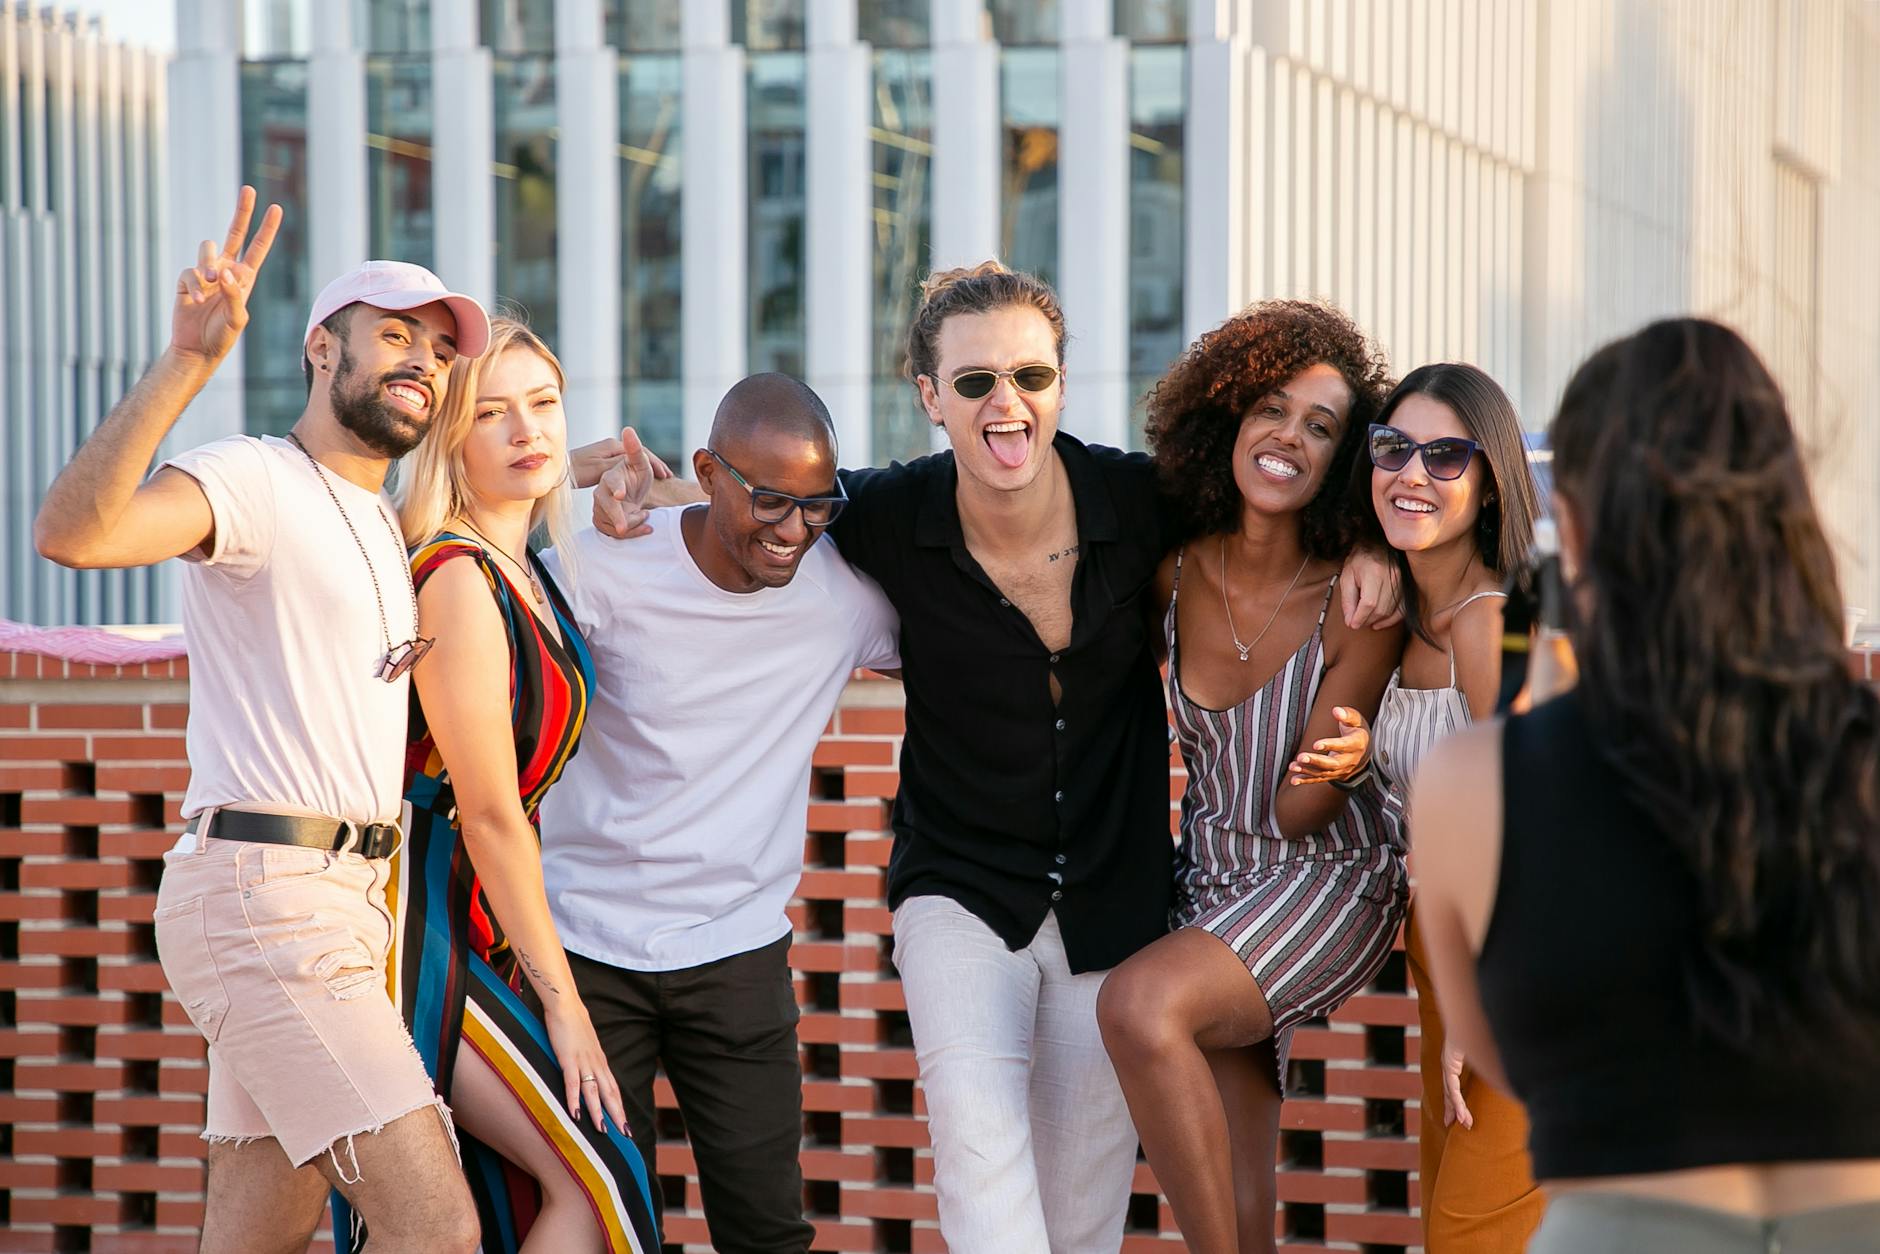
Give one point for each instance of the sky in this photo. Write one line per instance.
(146, 23)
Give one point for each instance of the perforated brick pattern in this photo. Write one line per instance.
(102, 1079)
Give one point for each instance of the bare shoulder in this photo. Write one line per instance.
(1478, 625)
(455, 600)
(1475, 636)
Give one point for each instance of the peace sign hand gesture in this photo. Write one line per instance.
(212, 295)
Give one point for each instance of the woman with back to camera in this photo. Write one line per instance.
(498, 709)
(1287, 899)
(1447, 485)
(1661, 891)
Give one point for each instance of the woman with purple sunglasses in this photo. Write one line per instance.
(1447, 486)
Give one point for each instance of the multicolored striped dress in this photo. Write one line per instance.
(1313, 917)
(451, 971)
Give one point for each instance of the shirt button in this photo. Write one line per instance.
(1007, 604)
(1057, 895)
(1054, 657)
(1061, 859)
(1060, 724)
(1058, 796)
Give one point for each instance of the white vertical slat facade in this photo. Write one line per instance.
(81, 171)
(1509, 183)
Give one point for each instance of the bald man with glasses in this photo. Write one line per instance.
(674, 841)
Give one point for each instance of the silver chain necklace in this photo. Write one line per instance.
(535, 585)
(401, 658)
(1245, 649)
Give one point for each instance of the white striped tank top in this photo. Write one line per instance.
(1410, 720)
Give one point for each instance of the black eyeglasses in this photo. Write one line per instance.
(770, 506)
(1444, 458)
(974, 385)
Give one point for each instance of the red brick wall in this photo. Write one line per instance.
(101, 1075)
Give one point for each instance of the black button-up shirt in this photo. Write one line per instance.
(1009, 804)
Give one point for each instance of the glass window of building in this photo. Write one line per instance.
(775, 177)
(643, 25)
(397, 35)
(650, 257)
(902, 146)
(274, 161)
(1018, 22)
(525, 173)
(513, 27)
(1152, 21)
(9, 128)
(894, 23)
(1028, 199)
(275, 28)
(394, 26)
(1157, 93)
(767, 25)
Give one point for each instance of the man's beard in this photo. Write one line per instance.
(379, 424)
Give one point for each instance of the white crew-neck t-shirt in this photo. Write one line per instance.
(285, 708)
(675, 836)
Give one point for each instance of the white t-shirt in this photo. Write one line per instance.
(285, 708)
(675, 836)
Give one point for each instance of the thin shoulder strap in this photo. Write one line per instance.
(1329, 589)
(1492, 592)
(1176, 590)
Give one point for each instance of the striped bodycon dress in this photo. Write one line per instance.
(451, 971)
(1313, 917)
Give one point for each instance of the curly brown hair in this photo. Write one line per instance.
(1195, 412)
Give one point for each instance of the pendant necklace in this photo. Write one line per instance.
(1245, 649)
(398, 659)
(535, 585)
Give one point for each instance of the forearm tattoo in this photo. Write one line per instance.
(535, 973)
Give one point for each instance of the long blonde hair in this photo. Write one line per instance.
(433, 487)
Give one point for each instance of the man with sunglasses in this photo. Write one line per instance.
(271, 917)
(674, 841)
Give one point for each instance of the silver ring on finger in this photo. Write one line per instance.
(588, 1079)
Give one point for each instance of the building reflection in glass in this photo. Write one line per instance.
(274, 162)
(901, 142)
(650, 257)
(524, 169)
(1028, 200)
(1156, 106)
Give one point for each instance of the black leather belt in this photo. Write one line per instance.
(369, 840)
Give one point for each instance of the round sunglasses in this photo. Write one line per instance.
(975, 385)
(1445, 457)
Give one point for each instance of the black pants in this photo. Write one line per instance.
(726, 1034)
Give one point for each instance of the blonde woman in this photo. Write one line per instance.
(540, 1117)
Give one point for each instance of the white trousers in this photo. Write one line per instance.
(1032, 1141)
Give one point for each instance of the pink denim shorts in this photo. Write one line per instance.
(278, 954)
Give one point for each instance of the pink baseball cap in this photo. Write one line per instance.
(401, 285)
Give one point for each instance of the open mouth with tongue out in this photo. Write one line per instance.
(1009, 441)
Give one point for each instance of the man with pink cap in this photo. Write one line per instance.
(271, 919)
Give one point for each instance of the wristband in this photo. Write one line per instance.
(1355, 782)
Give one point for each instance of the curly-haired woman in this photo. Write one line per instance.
(1662, 890)
(1287, 898)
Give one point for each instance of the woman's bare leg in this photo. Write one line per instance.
(488, 1111)
(1162, 1013)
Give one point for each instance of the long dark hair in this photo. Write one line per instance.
(1504, 526)
(1713, 672)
